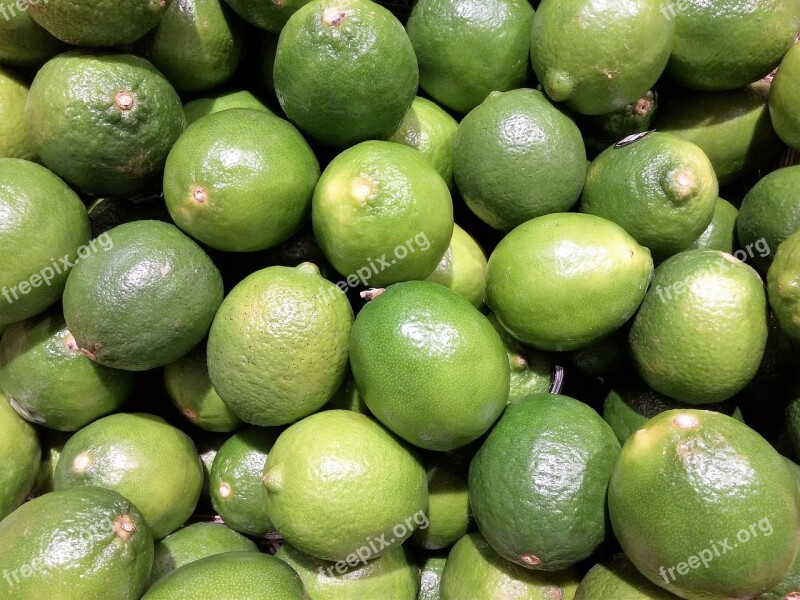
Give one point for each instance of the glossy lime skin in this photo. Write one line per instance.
(51, 382)
(240, 180)
(468, 49)
(726, 45)
(782, 107)
(271, 16)
(194, 543)
(516, 157)
(691, 481)
(197, 45)
(330, 71)
(26, 44)
(236, 487)
(721, 232)
(598, 56)
(337, 481)
(783, 285)
(473, 570)
(531, 514)
(565, 280)
(617, 578)
(151, 463)
(430, 576)
(429, 365)
(98, 24)
(154, 295)
(50, 226)
(392, 575)
(769, 214)
(21, 453)
(103, 122)
(701, 331)
(232, 575)
(278, 348)
(382, 214)
(74, 545)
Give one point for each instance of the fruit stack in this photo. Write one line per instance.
(334, 299)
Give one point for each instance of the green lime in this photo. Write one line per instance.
(694, 496)
(97, 24)
(154, 295)
(530, 513)
(151, 463)
(52, 446)
(769, 214)
(103, 122)
(473, 570)
(231, 575)
(463, 268)
(449, 516)
(783, 285)
(430, 575)
(191, 392)
(517, 157)
(197, 45)
(563, 281)
(598, 56)
(607, 355)
(617, 578)
(107, 213)
(196, 109)
(49, 229)
(23, 42)
(237, 490)
(659, 188)
(21, 455)
(600, 131)
(431, 130)
(240, 180)
(429, 365)
(331, 71)
(50, 382)
(721, 232)
(76, 544)
(392, 575)
(701, 331)
(382, 214)
(271, 16)
(15, 141)
(729, 43)
(531, 370)
(347, 397)
(782, 106)
(733, 128)
(194, 543)
(468, 48)
(339, 486)
(277, 350)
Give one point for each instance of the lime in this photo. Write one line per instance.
(783, 285)
(20, 452)
(721, 232)
(617, 578)
(463, 268)
(782, 107)
(600, 131)
(449, 517)
(531, 370)
(23, 42)
(207, 105)
(15, 141)
(271, 16)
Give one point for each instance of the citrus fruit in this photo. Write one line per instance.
(15, 141)
(271, 16)
(783, 285)
(49, 229)
(659, 188)
(430, 130)
(277, 350)
(189, 387)
(517, 157)
(20, 452)
(50, 382)
(600, 131)
(103, 122)
(531, 370)
(23, 42)
(381, 214)
(532, 514)
(207, 105)
(473, 570)
(701, 331)
(240, 180)
(563, 281)
(330, 71)
(782, 108)
(430, 575)
(467, 49)
(617, 578)
(729, 43)
(429, 365)
(151, 463)
(154, 295)
(721, 232)
(462, 268)
(78, 544)
(694, 496)
(339, 486)
(598, 55)
(449, 517)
